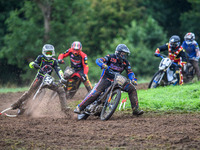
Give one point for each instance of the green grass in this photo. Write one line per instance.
(184, 98)
(6, 90)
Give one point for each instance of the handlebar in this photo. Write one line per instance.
(61, 61)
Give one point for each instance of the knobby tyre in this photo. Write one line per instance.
(110, 107)
(154, 81)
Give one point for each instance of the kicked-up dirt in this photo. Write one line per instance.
(50, 129)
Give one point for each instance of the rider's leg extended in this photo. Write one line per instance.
(133, 98)
(72, 87)
(35, 84)
(84, 78)
(179, 76)
(196, 67)
(62, 96)
(93, 94)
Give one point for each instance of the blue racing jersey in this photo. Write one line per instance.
(191, 49)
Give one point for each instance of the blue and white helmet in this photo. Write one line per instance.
(48, 51)
(189, 38)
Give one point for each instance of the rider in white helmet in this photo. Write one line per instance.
(191, 48)
(42, 62)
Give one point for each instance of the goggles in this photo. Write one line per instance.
(174, 44)
(124, 55)
(48, 52)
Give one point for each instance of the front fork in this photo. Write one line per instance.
(158, 82)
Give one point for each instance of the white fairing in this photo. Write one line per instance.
(165, 63)
(170, 74)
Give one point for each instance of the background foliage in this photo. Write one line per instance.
(100, 25)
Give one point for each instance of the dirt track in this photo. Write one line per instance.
(51, 129)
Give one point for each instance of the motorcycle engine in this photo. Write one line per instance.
(94, 108)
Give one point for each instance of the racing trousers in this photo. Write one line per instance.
(74, 82)
(103, 83)
(196, 67)
(32, 90)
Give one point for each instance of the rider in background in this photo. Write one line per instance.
(79, 63)
(118, 63)
(41, 62)
(191, 48)
(176, 54)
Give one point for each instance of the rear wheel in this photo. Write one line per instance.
(189, 74)
(154, 81)
(111, 105)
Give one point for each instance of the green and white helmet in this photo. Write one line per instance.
(48, 51)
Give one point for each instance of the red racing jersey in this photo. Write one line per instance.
(78, 62)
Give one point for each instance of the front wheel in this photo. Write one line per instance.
(155, 81)
(35, 102)
(110, 105)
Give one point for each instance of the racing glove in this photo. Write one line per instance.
(34, 65)
(104, 66)
(157, 55)
(134, 81)
(62, 80)
(60, 61)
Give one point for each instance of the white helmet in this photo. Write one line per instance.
(189, 38)
(48, 51)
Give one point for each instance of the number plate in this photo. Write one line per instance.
(120, 79)
(69, 71)
(48, 80)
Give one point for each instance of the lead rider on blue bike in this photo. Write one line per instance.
(118, 63)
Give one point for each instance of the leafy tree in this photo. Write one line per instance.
(142, 40)
(108, 19)
(24, 40)
(190, 20)
(7, 71)
(167, 13)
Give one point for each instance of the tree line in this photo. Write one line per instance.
(100, 25)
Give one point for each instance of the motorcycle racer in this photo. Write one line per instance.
(118, 63)
(46, 58)
(191, 48)
(79, 63)
(176, 54)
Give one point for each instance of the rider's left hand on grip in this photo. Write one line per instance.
(63, 81)
(60, 61)
(36, 66)
(104, 66)
(134, 81)
(157, 55)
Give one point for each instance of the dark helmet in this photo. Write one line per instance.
(174, 42)
(122, 51)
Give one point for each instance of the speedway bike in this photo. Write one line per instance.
(165, 75)
(188, 71)
(105, 105)
(73, 82)
(47, 81)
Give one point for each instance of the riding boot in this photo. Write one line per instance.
(62, 98)
(20, 100)
(88, 85)
(134, 101)
(178, 79)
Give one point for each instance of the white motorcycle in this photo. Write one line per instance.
(166, 74)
